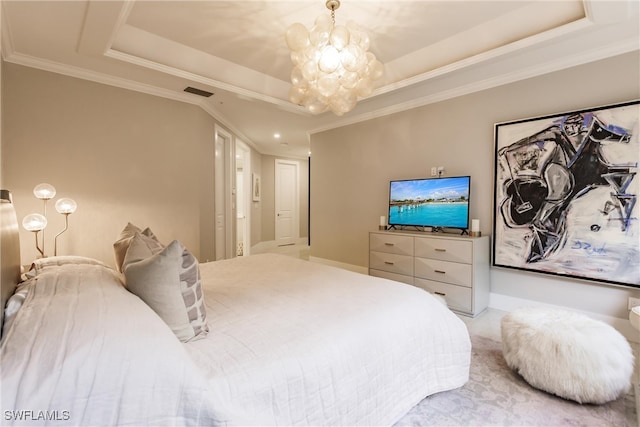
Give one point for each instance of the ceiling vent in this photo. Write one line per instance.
(198, 91)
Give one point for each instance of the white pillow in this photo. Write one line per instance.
(14, 304)
(168, 280)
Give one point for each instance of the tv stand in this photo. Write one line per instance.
(452, 266)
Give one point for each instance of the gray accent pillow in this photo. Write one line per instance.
(121, 245)
(140, 247)
(168, 280)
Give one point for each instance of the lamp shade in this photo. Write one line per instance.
(34, 222)
(66, 206)
(44, 191)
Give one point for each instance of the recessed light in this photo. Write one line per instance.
(276, 135)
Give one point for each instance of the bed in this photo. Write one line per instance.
(283, 342)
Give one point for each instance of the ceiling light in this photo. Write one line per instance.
(276, 135)
(332, 65)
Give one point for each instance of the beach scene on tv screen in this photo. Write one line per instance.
(442, 202)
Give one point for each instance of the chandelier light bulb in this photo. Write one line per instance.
(34, 222)
(44, 191)
(332, 65)
(66, 206)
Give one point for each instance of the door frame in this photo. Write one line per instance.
(241, 146)
(227, 189)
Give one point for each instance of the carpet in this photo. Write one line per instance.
(497, 396)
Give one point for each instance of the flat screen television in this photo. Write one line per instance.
(430, 202)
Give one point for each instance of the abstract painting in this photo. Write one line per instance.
(566, 193)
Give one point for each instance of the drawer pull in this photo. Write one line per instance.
(388, 244)
(440, 250)
(439, 271)
(388, 262)
(440, 293)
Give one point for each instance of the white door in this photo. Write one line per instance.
(286, 195)
(243, 198)
(224, 193)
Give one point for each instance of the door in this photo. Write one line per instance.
(243, 198)
(286, 202)
(224, 195)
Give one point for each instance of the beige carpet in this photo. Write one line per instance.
(496, 396)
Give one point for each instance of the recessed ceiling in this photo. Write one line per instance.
(432, 50)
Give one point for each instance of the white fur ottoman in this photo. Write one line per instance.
(567, 354)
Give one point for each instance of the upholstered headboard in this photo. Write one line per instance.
(9, 249)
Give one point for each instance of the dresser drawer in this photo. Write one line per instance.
(402, 245)
(444, 249)
(393, 263)
(391, 276)
(444, 271)
(457, 297)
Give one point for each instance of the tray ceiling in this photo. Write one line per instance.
(432, 50)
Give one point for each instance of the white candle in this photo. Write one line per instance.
(475, 225)
(383, 220)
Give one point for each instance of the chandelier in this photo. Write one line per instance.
(332, 65)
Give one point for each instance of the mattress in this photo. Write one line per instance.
(298, 343)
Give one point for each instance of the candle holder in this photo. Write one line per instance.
(475, 233)
(382, 227)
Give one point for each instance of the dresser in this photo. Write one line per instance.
(455, 267)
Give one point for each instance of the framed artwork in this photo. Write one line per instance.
(566, 192)
(256, 190)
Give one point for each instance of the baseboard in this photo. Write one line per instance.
(509, 303)
(344, 266)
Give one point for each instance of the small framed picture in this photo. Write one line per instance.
(256, 188)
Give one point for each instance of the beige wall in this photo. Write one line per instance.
(122, 155)
(268, 178)
(352, 166)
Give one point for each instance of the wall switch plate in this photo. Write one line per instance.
(434, 171)
(633, 302)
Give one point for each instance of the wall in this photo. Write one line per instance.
(352, 167)
(268, 178)
(122, 155)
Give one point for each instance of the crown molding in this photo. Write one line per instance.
(612, 50)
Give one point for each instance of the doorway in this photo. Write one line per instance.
(286, 202)
(224, 195)
(243, 198)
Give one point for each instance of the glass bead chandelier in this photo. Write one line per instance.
(332, 65)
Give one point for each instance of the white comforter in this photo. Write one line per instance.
(297, 343)
(290, 343)
(83, 351)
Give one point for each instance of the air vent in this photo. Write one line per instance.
(198, 91)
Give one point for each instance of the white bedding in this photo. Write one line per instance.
(290, 343)
(83, 351)
(297, 343)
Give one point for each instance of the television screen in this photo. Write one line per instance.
(430, 202)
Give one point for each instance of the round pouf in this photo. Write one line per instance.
(567, 354)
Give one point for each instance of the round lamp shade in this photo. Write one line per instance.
(34, 222)
(44, 191)
(66, 206)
